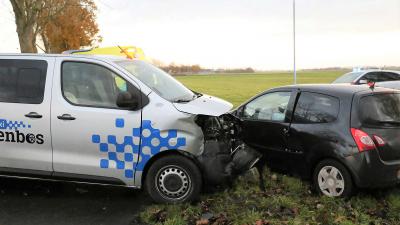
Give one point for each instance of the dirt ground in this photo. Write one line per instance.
(39, 202)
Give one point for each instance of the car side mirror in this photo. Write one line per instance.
(127, 100)
(281, 109)
(239, 112)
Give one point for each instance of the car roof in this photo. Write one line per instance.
(336, 89)
(375, 70)
(101, 57)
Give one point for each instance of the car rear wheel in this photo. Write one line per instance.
(173, 179)
(332, 179)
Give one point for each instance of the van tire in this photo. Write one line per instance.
(323, 178)
(178, 180)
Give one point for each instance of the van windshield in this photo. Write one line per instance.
(380, 109)
(159, 81)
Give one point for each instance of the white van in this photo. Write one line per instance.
(112, 120)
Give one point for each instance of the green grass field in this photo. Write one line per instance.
(287, 200)
(237, 88)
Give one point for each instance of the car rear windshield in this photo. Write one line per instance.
(380, 109)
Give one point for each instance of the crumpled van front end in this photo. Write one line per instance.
(202, 130)
(178, 122)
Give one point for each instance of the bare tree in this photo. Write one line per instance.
(62, 24)
(26, 16)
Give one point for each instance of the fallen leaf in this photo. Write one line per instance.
(160, 215)
(202, 222)
(262, 222)
(221, 219)
(340, 219)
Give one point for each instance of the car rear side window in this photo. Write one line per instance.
(22, 81)
(316, 108)
(380, 109)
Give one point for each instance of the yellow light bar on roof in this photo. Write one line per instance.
(131, 52)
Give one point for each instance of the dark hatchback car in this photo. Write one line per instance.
(340, 136)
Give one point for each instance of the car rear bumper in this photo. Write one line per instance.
(369, 171)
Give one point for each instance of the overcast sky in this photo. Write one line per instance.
(241, 33)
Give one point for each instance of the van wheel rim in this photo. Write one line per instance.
(331, 181)
(173, 182)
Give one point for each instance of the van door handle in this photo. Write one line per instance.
(33, 115)
(66, 117)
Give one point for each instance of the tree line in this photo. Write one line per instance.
(197, 69)
(56, 25)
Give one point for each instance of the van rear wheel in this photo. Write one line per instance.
(173, 179)
(332, 179)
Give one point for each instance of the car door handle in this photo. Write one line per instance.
(285, 131)
(66, 117)
(33, 115)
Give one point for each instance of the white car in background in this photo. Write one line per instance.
(389, 84)
(364, 76)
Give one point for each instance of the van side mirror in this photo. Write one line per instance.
(127, 100)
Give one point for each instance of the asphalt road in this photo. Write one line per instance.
(39, 202)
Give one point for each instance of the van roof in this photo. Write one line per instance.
(103, 57)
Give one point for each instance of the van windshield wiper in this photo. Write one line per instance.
(184, 100)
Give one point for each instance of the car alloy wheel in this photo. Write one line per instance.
(331, 181)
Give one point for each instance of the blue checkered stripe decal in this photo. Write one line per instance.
(10, 124)
(130, 155)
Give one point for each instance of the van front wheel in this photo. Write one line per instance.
(173, 179)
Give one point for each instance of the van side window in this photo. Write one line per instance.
(316, 108)
(22, 81)
(92, 85)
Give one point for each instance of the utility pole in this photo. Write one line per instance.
(294, 42)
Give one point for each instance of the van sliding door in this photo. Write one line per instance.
(25, 95)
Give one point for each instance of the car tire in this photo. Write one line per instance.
(332, 179)
(173, 179)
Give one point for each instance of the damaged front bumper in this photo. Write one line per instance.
(225, 155)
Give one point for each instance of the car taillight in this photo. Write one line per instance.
(363, 140)
(378, 140)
